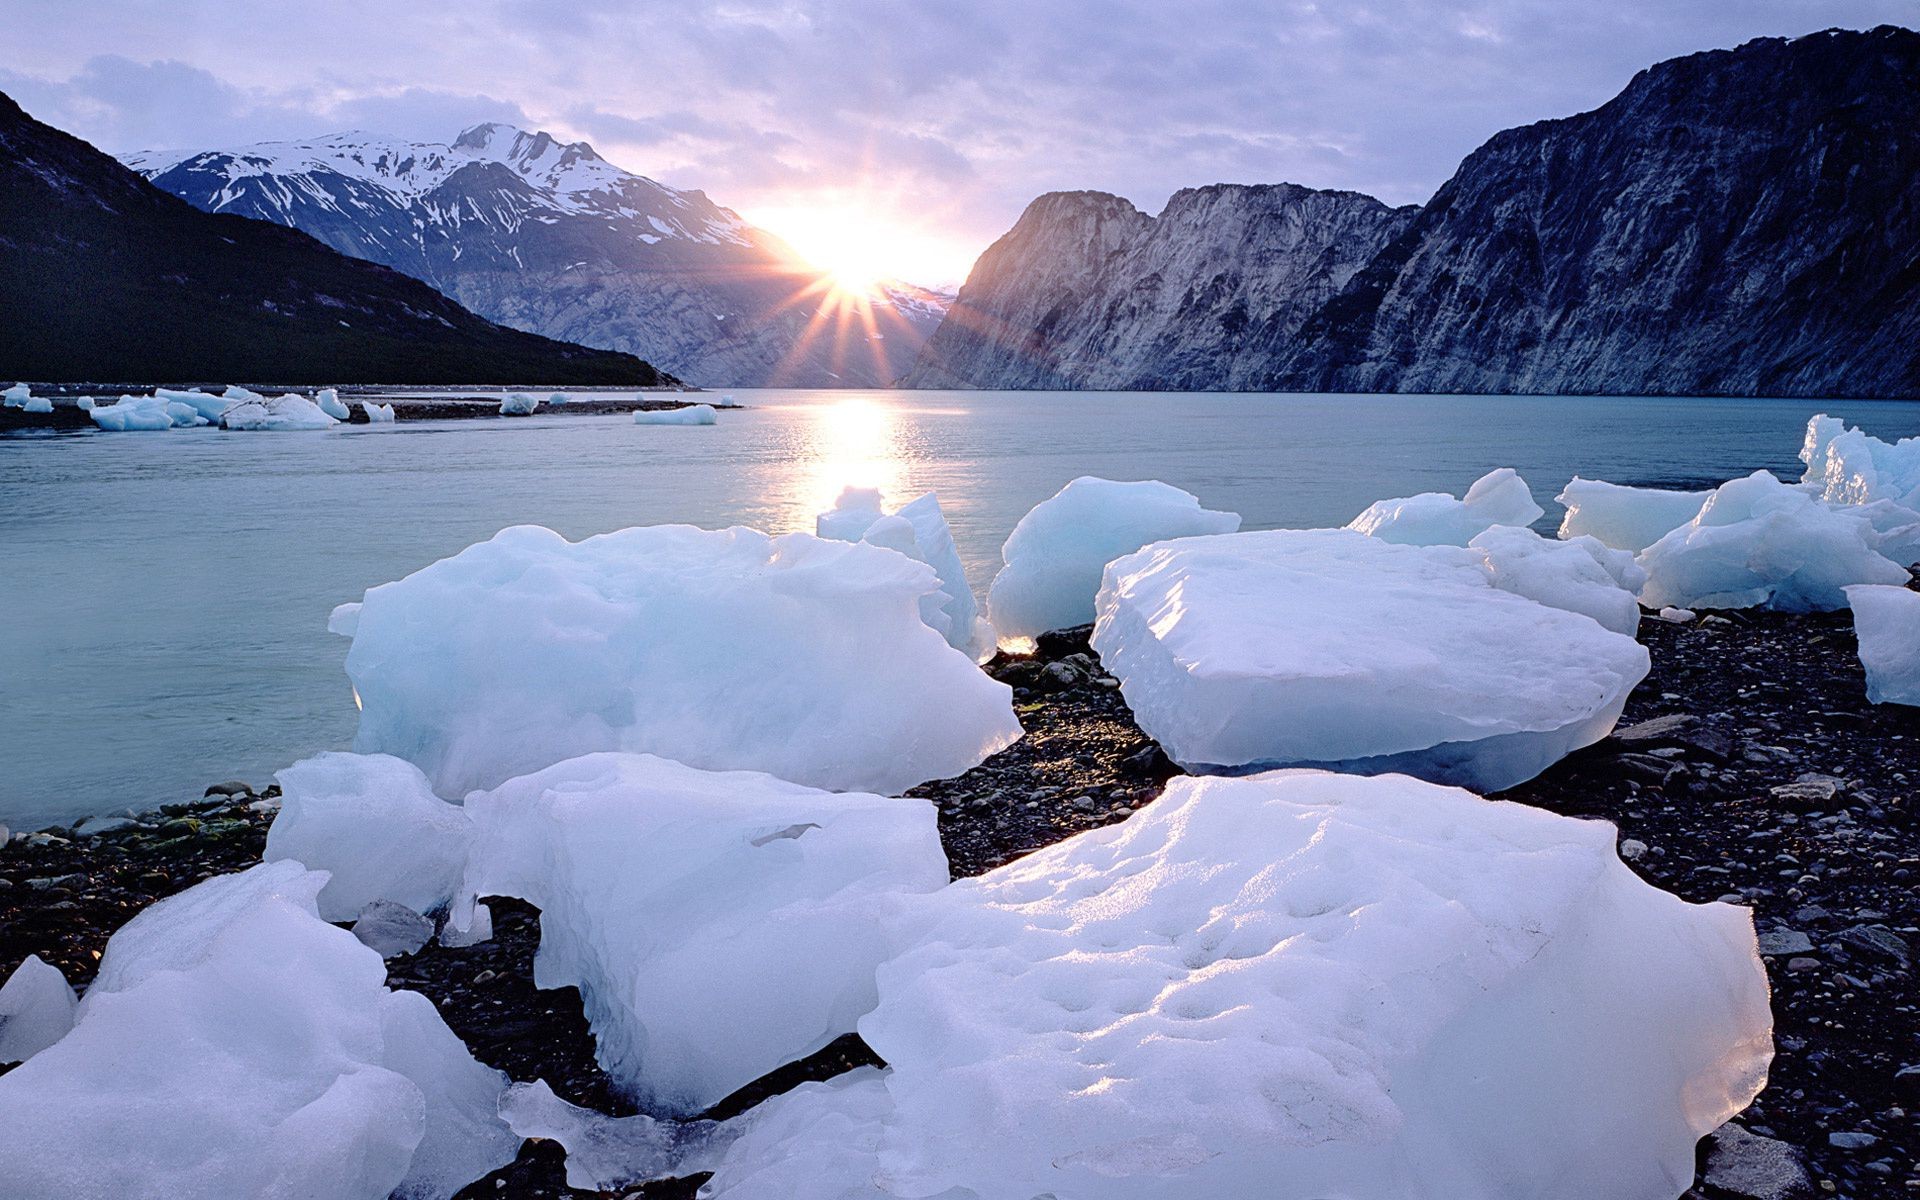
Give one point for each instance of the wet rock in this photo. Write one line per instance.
(392, 929)
(1783, 942)
(231, 788)
(1851, 1140)
(1655, 732)
(1751, 1167)
(1814, 792)
(1877, 941)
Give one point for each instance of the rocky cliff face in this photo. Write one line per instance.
(1740, 222)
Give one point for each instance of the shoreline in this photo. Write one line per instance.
(421, 405)
(1749, 766)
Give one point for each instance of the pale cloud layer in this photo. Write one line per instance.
(935, 121)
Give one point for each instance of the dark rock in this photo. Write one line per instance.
(232, 787)
(1750, 1167)
(1876, 941)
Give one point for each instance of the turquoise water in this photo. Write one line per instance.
(164, 596)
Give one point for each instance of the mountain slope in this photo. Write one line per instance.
(550, 237)
(107, 277)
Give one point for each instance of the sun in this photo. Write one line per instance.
(849, 245)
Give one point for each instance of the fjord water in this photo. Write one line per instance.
(165, 595)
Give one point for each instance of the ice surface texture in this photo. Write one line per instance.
(519, 404)
(1057, 551)
(36, 1010)
(1291, 986)
(797, 656)
(279, 415)
(1437, 519)
(236, 1045)
(1327, 647)
(692, 414)
(717, 924)
(1625, 518)
(919, 531)
(1886, 619)
(1848, 466)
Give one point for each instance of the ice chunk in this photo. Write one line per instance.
(605, 1153)
(84, 404)
(16, 396)
(559, 398)
(802, 657)
(38, 404)
(373, 822)
(1294, 986)
(1499, 497)
(1847, 466)
(391, 930)
(692, 414)
(919, 531)
(1759, 542)
(1326, 647)
(236, 1045)
(136, 414)
(208, 408)
(1886, 620)
(344, 619)
(1057, 551)
(519, 404)
(1625, 518)
(377, 414)
(281, 414)
(717, 924)
(1580, 575)
(36, 1009)
(328, 401)
(478, 929)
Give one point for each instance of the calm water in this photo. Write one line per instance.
(165, 595)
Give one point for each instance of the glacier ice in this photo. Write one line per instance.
(344, 619)
(234, 1044)
(558, 399)
(1579, 574)
(606, 1153)
(1057, 551)
(519, 404)
(1327, 647)
(36, 1009)
(328, 401)
(1291, 986)
(692, 414)
(794, 655)
(919, 531)
(478, 929)
(143, 414)
(1849, 466)
(208, 407)
(391, 930)
(280, 414)
(377, 414)
(38, 404)
(717, 924)
(16, 396)
(1759, 542)
(1625, 518)
(373, 823)
(1886, 620)
(1499, 497)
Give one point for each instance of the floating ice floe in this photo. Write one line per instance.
(377, 414)
(144, 414)
(1292, 986)
(36, 1009)
(1757, 542)
(692, 414)
(717, 924)
(606, 1153)
(1886, 620)
(234, 1044)
(798, 656)
(1326, 647)
(1580, 575)
(519, 404)
(1847, 466)
(1625, 518)
(1057, 551)
(281, 414)
(919, 531)
(329, 402)
(1499, 497)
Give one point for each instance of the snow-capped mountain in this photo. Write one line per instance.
(550, 237)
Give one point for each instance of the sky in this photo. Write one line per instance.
(908, 132)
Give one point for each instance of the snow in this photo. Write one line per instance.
(717, 924)
(236, 1045)
(608, 1153)
(725, 649)
(1625, 518)
(1330, 648)
(1292, 986)
(1499, 497)
(1056, 553)
(38, 404)
(1757, 542)
(1886, 619)
(1849, 466)
(377, 414)
(142, 414)
(36, 1009)
(1580, 575)
(281, 414)
(373, 821)
(692, 414)
(919, 531)
(329, 402)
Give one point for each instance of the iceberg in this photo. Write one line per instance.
(717, 924)
(143, 414)
(1499, 497)
(692, 414)
(1758, 542)
(377, 414)
(1326, 647)
(36, 1009)
(919, 531)
(519, 404)
(1886, 620)
(1579, 574)
(281, 414)
(1625, 518)
(797, 656)
(234, 1044)
(1057, 551)
(1848, 466)
(328, 401)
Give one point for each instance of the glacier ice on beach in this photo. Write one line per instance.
(234, 1044)
(692, 414)
(377, 414)
(606, 1153)
(1055, 555)
(726, 649)
(144, 414)
(919, 531)
(1625, 518)
(38, 404)
(1579, 574)
(373, 822)
(1886, 620)
(1499, 497)
(36, 1009)
(16, 396)
(558, 399)
(329, 402)
(1849, 466)
(1291, 986)
(281, 414)
(717, 924)
(1757, 542)
(1327, 647)
(519, 404)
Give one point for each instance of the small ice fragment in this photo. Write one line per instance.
(692, 414)
(36, 1009)
(1886, 619)
(1625, 518)
(1679, 616)
(377, 414)
(329, 402)
(519, 404)
(39, 404)
(392, 929)
(479, 929)
(344, 619)
(1499, 497)
(605, 1153)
